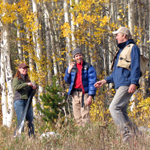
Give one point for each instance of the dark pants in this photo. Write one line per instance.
(19, 106)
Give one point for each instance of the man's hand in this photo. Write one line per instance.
(132, 88)
(100, 83)
(70, 67)
(89, 100)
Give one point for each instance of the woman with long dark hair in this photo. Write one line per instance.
(22, 88)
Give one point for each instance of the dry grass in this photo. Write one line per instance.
(92, 137)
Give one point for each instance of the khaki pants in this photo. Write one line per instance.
(81, 114)
(118, 110)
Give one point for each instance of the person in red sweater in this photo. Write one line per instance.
(81, 76)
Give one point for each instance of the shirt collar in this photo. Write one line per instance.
(80, 63)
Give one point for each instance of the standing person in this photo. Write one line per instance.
(81, 76)
(22, 87)
(125, 76)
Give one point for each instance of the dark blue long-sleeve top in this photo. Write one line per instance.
(121, 76)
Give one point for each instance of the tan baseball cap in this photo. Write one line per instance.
(123, 30)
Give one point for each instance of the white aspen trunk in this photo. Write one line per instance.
(109, 39)
(38, 49)
(31, 67)
(33, 99)
(8, 73)
(131, 22)
(72, 29)
(18, 41)
(54, 50)
(9, 76)
(142, 80)
(87, 57)
(124, 11)
(149, 36)
(3, 79)
(148, 85)
(76, 1)
(54, 64)
(110, 42)
(58, 51)
(91, 60)
(90, 50)
(68, 42)
(104, 57)
(112, 12)
(131, 16)
(47, 29)
(118, 13)
(140, 25)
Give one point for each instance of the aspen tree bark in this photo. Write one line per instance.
(125, 3)
(140, 24)
(9, 76)
(148, 85)
(19, 40)
(56, 49)
(48, 49)
(77, 3)
(3, 85)
(149, 36)
(87, 58)
(110, 42)
(142, 80)
(52, 39)
(0, 56)
(112, 11)
(72, 29)
(110, 8)
(131, 21)
(90, 50)
(31, 65)
(104, 58)
(68, 41)
(118, 13)
(53, 50)
(38, 49)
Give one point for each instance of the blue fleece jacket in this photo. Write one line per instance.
(89, 78)
(122, 76)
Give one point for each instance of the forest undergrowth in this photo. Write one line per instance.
(70, 137)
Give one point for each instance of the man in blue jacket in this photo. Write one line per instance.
(81, 76)
(125, 76)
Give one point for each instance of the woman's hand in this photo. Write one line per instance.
(30, 84)
(34, 87)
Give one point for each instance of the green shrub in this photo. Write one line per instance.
(52, 103)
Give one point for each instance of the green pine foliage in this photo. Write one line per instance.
(52, 103)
